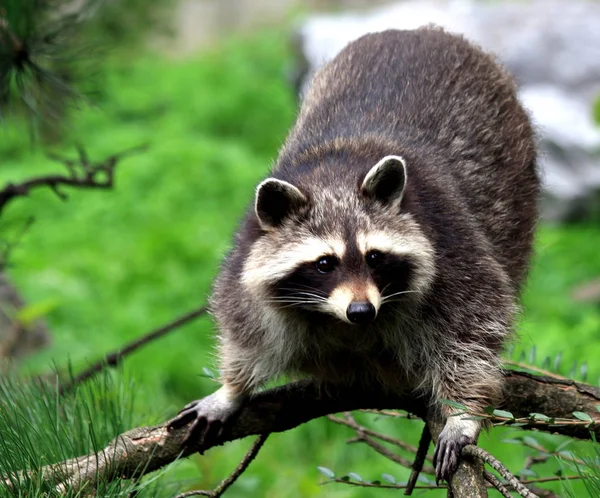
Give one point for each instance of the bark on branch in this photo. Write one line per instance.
(81, 173)
(143, 450)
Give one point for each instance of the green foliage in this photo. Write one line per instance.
(120, 263)
(40, 57)
(39, 428)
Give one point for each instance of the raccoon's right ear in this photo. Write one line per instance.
(386, 180)
(275, 201)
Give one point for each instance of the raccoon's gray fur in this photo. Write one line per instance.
(412, 169)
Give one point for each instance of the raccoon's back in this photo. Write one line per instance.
(435, 96)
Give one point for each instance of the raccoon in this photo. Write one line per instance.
(388, 246)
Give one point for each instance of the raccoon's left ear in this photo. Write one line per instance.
(386, 180)
(275, 201)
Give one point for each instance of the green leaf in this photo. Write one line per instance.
(532, 355)
(518, 424)
(355, 477)
(527, 473)
(326, 472)
(573, 371)
(566, 454)
(583, 371)
(209, 373)
(454, 404)
(546, 363)
(34, 311)
(539, 417)
(510, 351)
(388, 478)
(598, 408)
(531, 441)
(583, 416)
(503, 414)
(489, 410)
(563, 445)
(512, 441)
(557, 361)
(344, 478)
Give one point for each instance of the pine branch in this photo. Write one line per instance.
(40, 55)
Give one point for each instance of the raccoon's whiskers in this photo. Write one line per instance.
(387, 298)
(297, 288)
(403, 315)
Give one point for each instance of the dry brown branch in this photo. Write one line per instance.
(369, 432)
(239, 470)
(532, 368)
(113, 359)
(495, 482)
(146, 449)
(493, 462)
(420, 457)
(80, 174)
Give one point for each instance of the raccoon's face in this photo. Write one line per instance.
(352, 255)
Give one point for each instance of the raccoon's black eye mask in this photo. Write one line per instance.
(327, 264)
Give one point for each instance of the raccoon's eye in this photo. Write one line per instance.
(326, 264)
(374, 258)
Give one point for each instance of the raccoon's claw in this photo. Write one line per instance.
(208, 417)
(447, 454)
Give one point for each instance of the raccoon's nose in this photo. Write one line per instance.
(361, 312)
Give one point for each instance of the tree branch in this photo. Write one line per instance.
(239, 470)
(81, 174)
(112, 359)
(146, 449)
(514, 483)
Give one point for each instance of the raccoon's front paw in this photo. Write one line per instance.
(208, 415)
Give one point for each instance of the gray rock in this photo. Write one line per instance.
(551, 46)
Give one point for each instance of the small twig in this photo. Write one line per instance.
(535, 369)
(239, 470)
(543, 493)
(417, 465)
(378, 435)
(475, 451)
(547, 454)
(9, 246)
(495, 482)
(387, 486)
(552, 479)
(390, 413)
(90, 177)
(383, 451)
(113, 359)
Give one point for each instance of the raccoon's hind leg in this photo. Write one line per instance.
(474, 384)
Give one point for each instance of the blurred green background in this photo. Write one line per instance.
(113, 265)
